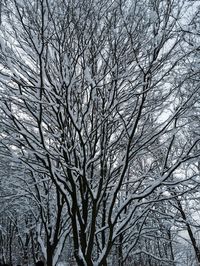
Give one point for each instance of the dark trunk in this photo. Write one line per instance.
(50, 253)
(120, 251)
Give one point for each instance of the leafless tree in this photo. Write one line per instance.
(89, 93)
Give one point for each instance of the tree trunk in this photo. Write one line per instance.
(50, 253)
(120, 251)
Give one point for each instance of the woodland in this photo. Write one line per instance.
(100, 132)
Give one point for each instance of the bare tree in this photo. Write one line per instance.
(36, 213)
(89, 91)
